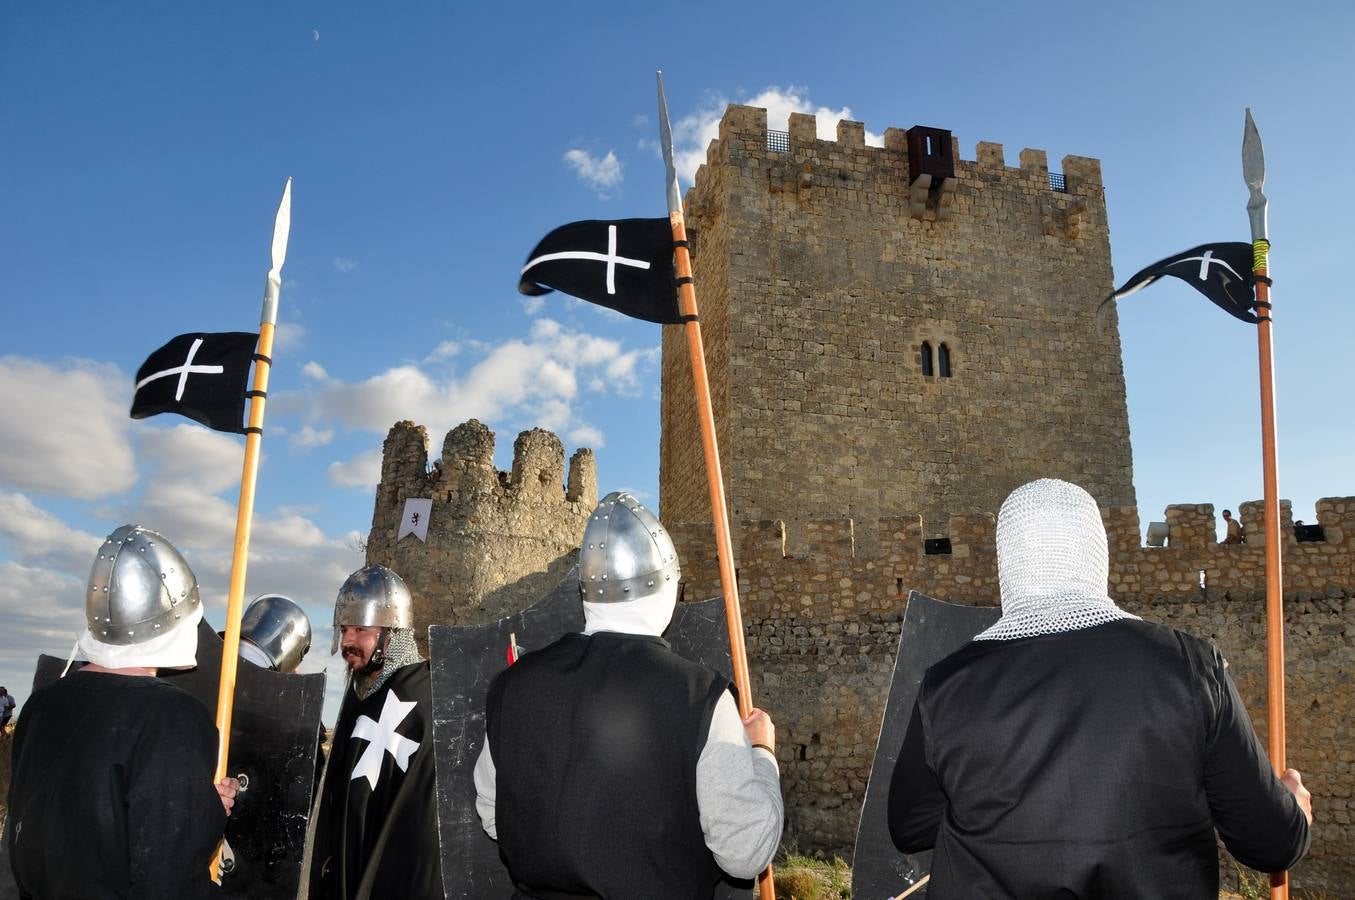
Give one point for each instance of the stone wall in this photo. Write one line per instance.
(822, 611)
(819, 280)
(497, 541)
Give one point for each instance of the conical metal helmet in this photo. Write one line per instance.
(279, 629)
(373, 596)
(626, 553)
(140, 587)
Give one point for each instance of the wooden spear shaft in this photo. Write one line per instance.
(723, 545)
(244, 516)
(1275, 733)
(738, 652)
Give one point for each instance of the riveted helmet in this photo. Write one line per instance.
(140, 587)
(626, 554)
(373, 596)
(275, 633)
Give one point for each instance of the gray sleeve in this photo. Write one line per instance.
(486, 790)
(738, 794)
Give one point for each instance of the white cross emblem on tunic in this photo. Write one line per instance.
(182, 371)
(1206, 261)
(610, 258)
(383, 739)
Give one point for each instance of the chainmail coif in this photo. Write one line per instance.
(1052, 563)
(400, 651)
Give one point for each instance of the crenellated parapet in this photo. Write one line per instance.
(494, 538)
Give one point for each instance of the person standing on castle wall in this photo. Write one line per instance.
(1074, 750)
(112, 791)
(612, 767)
(1235, 533)
(376, 832)
(6, 710)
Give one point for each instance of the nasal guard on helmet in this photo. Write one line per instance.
(626, 554)
(373, 596)
(140, 587)
(279, 629)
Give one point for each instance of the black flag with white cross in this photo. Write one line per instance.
(1222, 272)
(201, 376)
(625, 265)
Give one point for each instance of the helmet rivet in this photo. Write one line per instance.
(599, 590)
(668, 578)
(604, 576)
(142, 549)
(602, 546)
(105, 589)
(626, 589)
(649, 583)
(176, 615)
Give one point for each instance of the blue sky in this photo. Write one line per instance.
(144, 147)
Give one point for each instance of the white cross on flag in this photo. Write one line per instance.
(625, 265)
(1222, 272)
(415, 521)
(201, 376)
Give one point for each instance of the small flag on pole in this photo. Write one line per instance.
(625, 265)
(1222, 272)
(415, 521)
(201, 376)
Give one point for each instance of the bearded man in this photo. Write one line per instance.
(376, 833)
(1073, 750)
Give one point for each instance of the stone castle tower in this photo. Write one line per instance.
(497, 541)
(893, 328)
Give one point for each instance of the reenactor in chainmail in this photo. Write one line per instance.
(376, 834)
(1073, 750)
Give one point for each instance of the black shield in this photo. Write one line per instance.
(464, 660)
(275, 731)
(931, 631)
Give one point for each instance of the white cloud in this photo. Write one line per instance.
(66, 428)
(288, 336)
(692, 134)
(309, 437)
(534, 379)
(344, 264)
(600, 174)
(315, 371)
(362, 471)
(444, 350)
(207, 460)
(586, 436)
(36, 534)
(532, 305)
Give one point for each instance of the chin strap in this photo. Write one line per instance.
(378, 655)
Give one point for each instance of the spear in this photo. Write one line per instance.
(1254, 174)
(235, 598)
(723, 545)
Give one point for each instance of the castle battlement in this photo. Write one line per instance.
(494, 538)
(889, 556)
(745, 127)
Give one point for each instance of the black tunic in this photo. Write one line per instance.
(1092, 763)
(377, 832)
(595, 742)
(112, 792)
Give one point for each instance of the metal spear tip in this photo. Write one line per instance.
(1253, 155)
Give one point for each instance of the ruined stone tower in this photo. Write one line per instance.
(893, 328)
(497, 541)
